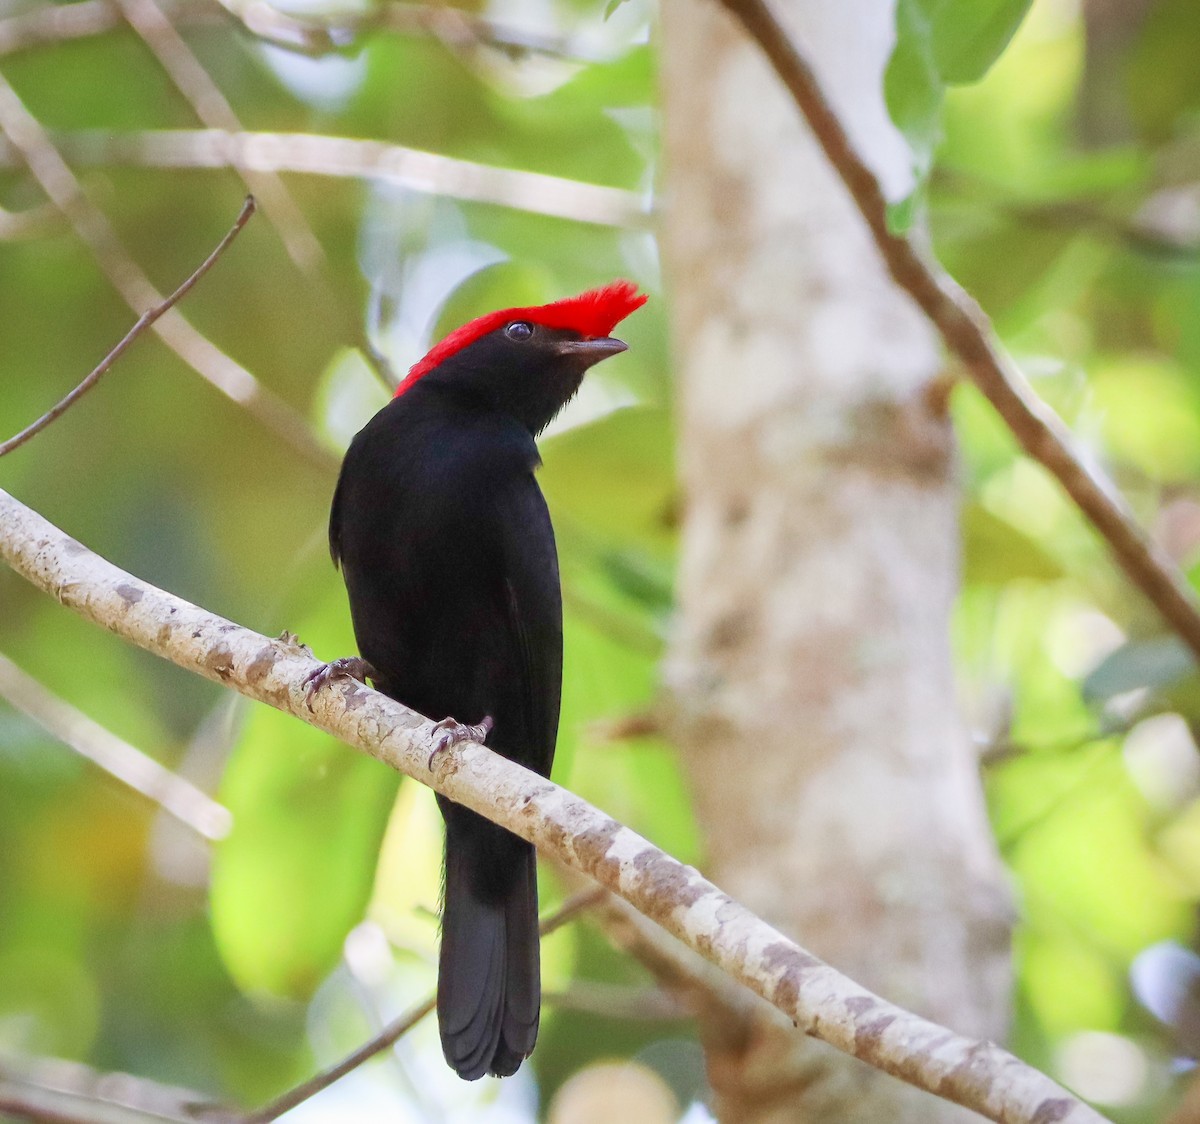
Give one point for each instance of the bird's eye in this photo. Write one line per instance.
(519, 330)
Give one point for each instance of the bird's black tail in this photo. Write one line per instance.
(489, 975)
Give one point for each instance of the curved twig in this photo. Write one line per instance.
(144, 321)
(966, 331)
(397, 1028)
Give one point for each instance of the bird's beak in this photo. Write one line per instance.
(592, 351)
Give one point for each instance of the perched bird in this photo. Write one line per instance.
(448, 555)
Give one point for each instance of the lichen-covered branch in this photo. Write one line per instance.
(818, 999)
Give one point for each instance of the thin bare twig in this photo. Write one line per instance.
(344, 157)
(396, 1029)
(965, 329)
(144, 321)
(213, 109)
(127, 277)
(816, 997)
(175, 795)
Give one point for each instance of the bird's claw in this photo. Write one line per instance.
(453, 732)
(348, 667)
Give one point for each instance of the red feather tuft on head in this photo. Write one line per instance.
(593, 314)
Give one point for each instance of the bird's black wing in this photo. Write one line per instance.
(532, 603)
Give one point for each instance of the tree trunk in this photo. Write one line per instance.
(811, 672)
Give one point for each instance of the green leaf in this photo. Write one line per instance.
(348, 394)
(1162, 78)
(968, 38)
(913, 86)
(939, 43)
(507, 284)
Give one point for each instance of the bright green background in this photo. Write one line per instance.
(1044, 180)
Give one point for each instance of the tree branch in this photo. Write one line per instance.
(175, 795)
(813, 995)
(315, 154)
(212, 108)
(966, 332)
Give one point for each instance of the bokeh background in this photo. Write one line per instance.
(1064, 194)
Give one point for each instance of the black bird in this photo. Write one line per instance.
(448, 555)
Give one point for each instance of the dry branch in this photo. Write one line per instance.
(813, 995)
(966, 331)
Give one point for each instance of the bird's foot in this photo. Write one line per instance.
(348, 667)
(453, 732)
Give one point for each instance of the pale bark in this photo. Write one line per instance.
(811, 670)
(818, 999)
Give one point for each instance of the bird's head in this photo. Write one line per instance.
(529, 362)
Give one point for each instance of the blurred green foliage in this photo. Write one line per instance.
(126, 943)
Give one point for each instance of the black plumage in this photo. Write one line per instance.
(449, 559)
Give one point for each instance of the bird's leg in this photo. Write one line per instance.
(348, 667)
(453, 732)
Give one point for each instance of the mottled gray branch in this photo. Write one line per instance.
(818, 999)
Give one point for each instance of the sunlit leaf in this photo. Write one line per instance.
(996, 551)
